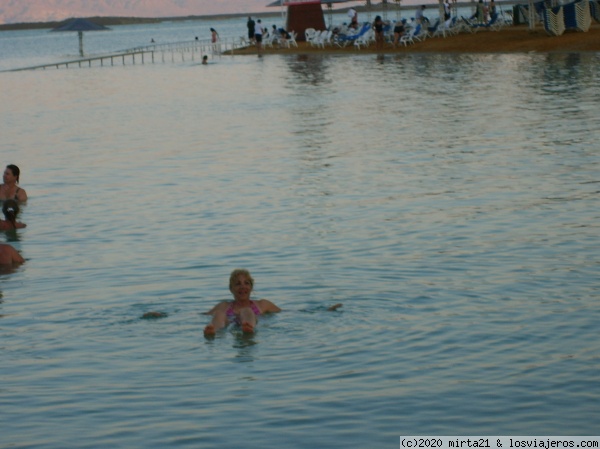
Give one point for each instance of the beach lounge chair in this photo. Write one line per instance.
(343, 40)
(364, 40)
(493, 24)
(292, 39)
(447, 28)
(409, 38)
(433, 29)
(469, 26)
(577, 16)
(309, 34)
(595, 10)
(554, 21)
(496, 22)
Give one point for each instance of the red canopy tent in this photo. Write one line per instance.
(303, 14)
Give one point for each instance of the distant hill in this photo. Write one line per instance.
(32, 11)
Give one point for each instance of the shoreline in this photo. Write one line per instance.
(511, 39)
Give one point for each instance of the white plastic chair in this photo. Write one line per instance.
(408, 38)
(316, 39)
(292, 40)
(364, 40)
(325, 38)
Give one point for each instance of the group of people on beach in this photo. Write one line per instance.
(11, 195)
(257, 34)
(484, 11)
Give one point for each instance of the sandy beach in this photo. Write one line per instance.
(510, 39)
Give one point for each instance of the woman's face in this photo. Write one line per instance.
(241, 288)
(8, 177)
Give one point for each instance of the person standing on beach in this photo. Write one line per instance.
(419, 15)
(379, 38)
(258, 34)
(214, 39)
(399, 31)
(353, 18)
(447, 10)
(214, 36)
(251, 26)
(480, 12)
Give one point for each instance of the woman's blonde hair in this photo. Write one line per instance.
(240, 272)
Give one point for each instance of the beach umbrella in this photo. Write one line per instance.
(80, 25)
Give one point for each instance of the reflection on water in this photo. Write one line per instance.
(448, 201)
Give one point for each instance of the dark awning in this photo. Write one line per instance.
(80, 25)
(323, 2)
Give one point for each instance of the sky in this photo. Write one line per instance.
(17, 11)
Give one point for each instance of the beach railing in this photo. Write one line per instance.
(183, 51)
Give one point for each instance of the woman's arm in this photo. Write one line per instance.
(217, 308)
(267, 306)
(219, 319)
(22, 195)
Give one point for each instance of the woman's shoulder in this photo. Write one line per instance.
(21, 194)
(267, 306)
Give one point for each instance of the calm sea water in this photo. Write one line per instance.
(450, 202)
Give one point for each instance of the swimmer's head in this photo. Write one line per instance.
(10, 209)
(237, 273)
(16, 172)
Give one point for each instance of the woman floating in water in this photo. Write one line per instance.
(10, 209)
(242, 310)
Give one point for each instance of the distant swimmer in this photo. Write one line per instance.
(242, 310)
(10, 209)
(10, 190)
(9, 255)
